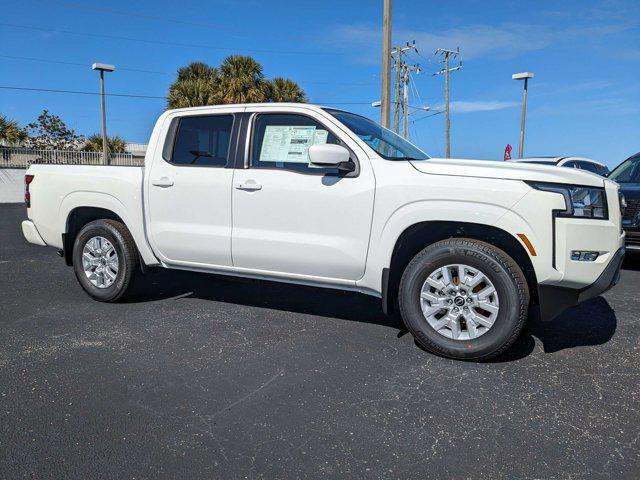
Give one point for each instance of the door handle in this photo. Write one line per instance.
(163, 182)
(249, 185)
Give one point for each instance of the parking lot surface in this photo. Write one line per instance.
(209, 377)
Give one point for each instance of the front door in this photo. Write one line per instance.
(190, 192)
(290, 217)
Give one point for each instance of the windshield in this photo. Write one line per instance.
(628, 171)
(386, 143)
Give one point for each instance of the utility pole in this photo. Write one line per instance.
(385, 98)
(446, 70)
(523, 76)
(103, 67)
(396, 97)
(405, 96)
(400, 65)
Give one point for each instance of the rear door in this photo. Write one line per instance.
(290, 217)
(189, 189)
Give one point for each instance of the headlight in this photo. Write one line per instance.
(581, 202)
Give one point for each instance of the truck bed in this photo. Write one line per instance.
(58, 190)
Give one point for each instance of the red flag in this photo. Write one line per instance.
(507, 152)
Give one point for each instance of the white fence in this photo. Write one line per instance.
(23, 157)
(11, 185)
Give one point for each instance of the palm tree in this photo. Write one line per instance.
(242, 80)
(93, 143)
(10, 132)
(197, 70)
(285, 90)
(239, 79)
(197, 84)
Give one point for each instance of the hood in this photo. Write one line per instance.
(508, 171)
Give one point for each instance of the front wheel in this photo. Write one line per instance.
(464, 299)
(105, 259)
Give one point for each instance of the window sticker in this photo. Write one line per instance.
(290, 143)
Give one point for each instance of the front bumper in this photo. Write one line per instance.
(554, 299)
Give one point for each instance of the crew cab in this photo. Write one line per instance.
(461, 249)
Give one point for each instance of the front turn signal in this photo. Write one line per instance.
(527, 243)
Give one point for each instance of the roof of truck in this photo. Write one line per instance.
(241, 106)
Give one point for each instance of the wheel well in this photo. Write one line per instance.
(421, 235)
(77, 219)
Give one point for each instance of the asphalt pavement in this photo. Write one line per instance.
(203, 376)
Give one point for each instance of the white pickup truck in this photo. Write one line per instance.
(303, 194)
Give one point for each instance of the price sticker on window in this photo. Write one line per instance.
(290, 143)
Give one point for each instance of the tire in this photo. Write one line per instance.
(117, 275)
(487, 324)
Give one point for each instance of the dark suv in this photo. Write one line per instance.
(627, 174)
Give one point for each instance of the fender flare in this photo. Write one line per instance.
(89, 199)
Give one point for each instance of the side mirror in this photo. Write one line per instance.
(328, 155)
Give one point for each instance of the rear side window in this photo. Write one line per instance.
(282, 141)
(203, 141)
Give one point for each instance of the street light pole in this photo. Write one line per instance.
(102, 67)
(105, 150)
(523, 76)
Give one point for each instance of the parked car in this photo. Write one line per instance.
(570, 162)
(323, 197)
(627, 174)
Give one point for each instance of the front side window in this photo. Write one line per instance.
(282, 141)
(386, 143)
(203, 140)
(628, 171)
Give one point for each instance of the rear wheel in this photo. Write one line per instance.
(464, 299)
(105, 260)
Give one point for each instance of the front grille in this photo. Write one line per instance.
(632, 239)
(630, 216)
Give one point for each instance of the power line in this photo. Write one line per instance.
(137, 70)
(79, 6)
(427, 116)
(77, 92)
(176, 44)
(77, 64)
(130, 95)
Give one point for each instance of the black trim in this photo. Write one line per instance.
(241, 143)
(385, 291)
(554, 218)
(554, 300)
(170, 139)
(67, 250)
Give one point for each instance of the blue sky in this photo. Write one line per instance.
(584, 100)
